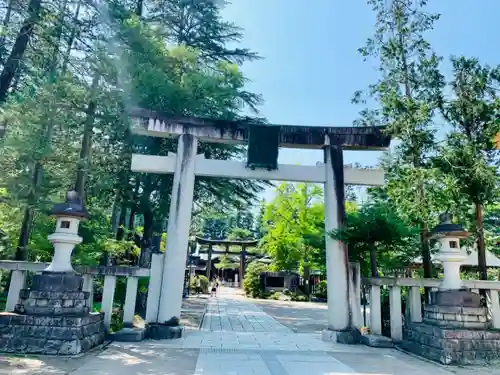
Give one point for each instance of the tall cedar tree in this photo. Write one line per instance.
(470, 155)
(197, 25)
(407, 94)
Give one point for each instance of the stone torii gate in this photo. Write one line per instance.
(166, 284)
(245, 244)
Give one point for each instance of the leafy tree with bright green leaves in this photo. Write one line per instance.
(470, 155)
(407, 99)
(294, 224)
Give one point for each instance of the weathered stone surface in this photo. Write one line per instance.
(57, 282)
(350, 336)
(129, 334)
(452, 345)
(376, 341)
(52, 318)
(55, 335)
(164, 332)
(462, 298)
(456, 317)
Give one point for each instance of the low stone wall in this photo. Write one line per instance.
(452, 345)
(62, 335)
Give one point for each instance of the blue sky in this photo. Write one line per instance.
(311, 67)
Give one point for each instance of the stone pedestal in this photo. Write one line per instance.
(164, 332)
(52, 318)
(456, 334)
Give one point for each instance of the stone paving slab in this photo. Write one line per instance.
(193, 310)
(141, 361)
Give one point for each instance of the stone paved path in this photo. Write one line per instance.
(238, 338)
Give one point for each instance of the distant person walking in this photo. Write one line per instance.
(198, 284)
(213, 288)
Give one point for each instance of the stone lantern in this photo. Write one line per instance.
(455, 326)
(54, 315)
(450, 254)
(65, 237)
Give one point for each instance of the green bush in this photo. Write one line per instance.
(251, 282)
(299, 297)
(321, 289)
(275, 296)
(203, 282)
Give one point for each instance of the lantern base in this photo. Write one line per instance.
(462, 298)
(455, 330)
(57, 282)
(52, 318)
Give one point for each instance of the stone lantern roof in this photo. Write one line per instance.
(73, 207)
(446, 228)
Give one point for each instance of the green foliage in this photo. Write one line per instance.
(321, 289)
(240, 234)
(68, 101)
(251, 282)
(297, 297)
(294, 227)
(225, 263)
(407, 97)
(204, 283)
(469, 156)
(374, 231)
(226, 223)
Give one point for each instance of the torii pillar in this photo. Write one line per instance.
(179, 222)
(336, 255)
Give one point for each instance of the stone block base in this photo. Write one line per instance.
(34, 302)
(462, 298)
(164, 332)
(456, 317)
(55, 335)
(376, 341)
(128, 335)
(349, 337)
(452, 345)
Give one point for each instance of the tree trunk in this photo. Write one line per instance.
(86, 148)
(481, 248)
(19, 48)
(5, 25)
(22, 243)
(120, 233)
(373, 261)
(426, 252)
(75, 28)
(115, 214)
(147, 239)
(139, 7)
